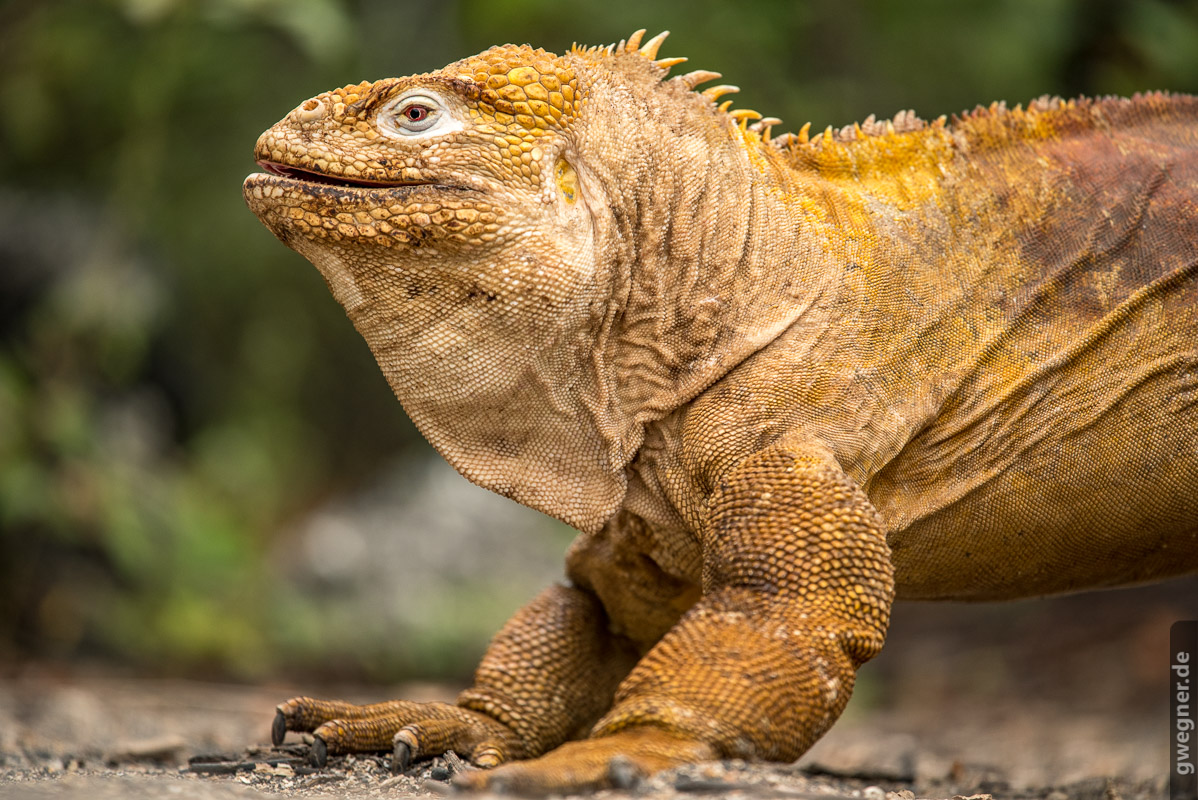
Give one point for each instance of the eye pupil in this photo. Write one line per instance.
(416, 113)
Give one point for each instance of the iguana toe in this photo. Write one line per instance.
(619, 761)
(409, 730)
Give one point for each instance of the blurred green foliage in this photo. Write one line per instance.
(177, 389)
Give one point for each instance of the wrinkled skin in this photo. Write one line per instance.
(770, 381)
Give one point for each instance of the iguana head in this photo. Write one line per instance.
(483, 226)
(465, 166)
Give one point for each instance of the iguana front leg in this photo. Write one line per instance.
(797, 588)
(547, 676)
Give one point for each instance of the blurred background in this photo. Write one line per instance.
(202, 472)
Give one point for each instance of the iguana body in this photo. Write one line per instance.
(772, 382)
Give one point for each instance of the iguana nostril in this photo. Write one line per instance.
(310, 110)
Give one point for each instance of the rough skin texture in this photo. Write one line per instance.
(771, 381)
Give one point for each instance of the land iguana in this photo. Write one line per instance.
(773, 381)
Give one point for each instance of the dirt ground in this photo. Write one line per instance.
(1061, 699)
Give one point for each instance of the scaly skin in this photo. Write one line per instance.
(771, 381)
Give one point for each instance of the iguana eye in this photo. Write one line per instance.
(419, 114)
(416, 116)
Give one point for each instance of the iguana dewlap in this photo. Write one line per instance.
(772, 381)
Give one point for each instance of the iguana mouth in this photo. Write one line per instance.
(296, 173)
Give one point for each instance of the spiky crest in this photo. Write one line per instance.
(982, 126)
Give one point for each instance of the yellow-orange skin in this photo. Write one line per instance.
(772, 381)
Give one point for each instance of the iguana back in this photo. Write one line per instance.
(1006, 356)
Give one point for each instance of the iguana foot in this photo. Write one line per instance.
(410, 730)
(620, 761)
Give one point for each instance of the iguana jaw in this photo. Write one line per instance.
(297, 203)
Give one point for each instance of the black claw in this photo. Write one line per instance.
(278, 729)
(320, 752)
(623, 773)
(401, 757)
